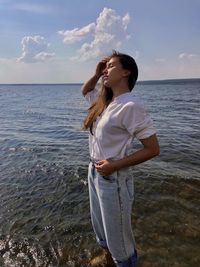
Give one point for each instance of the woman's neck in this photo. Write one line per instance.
(119, 90)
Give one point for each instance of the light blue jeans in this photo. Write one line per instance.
(111, 200)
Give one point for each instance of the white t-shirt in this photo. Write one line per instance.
(113, 131)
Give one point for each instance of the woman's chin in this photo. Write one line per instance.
(105, 83)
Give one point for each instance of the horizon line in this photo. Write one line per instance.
(79, 83)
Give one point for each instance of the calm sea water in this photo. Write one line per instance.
(44, 209)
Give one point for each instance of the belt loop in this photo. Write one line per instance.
(93, 161)
(93, 167)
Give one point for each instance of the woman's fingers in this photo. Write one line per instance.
(100, 162)
(101, 66)
(99, 166)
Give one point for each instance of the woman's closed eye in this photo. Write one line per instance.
(110, 65)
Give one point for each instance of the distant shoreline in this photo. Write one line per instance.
(185, 80)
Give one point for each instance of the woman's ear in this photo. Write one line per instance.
(126, 73)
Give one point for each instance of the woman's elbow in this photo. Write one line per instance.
(156, 150)
(152, 145)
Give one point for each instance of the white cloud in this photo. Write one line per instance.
(182, 55)
(34, 49)
(77, 34)
(188, 56)
(126, 20)
(108, 32)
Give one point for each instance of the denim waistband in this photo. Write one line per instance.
(93, 160)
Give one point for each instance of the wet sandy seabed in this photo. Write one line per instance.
(166, 218)
(165, 221)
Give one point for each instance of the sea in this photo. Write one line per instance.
(44, 206)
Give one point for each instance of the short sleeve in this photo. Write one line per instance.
(92, 95)
(137, 121)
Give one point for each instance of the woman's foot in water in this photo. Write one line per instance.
(103, 259)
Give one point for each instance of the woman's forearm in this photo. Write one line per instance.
(106, 167)
(138, 157)
(150, 149)
(90, 84)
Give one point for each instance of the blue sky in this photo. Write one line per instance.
(60, 41)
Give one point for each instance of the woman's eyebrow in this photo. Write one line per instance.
(109, 64)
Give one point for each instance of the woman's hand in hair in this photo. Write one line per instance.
(101, 67)
(105, 167)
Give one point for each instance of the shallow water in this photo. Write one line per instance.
(44, 209)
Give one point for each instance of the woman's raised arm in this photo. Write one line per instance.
(90, 84)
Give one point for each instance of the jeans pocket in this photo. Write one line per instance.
(130, 187)
(110, 178)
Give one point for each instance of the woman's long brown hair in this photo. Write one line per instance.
(105, 96)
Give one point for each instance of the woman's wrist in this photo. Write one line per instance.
(97, 76)
(117, 165)
(122, 163)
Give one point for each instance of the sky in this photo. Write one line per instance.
(59, 41)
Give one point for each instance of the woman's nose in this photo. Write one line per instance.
(105, 70)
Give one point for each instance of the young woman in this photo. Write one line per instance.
(114, 118)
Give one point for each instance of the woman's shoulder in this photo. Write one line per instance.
(130, 100)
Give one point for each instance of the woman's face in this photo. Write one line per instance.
(113, 73)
